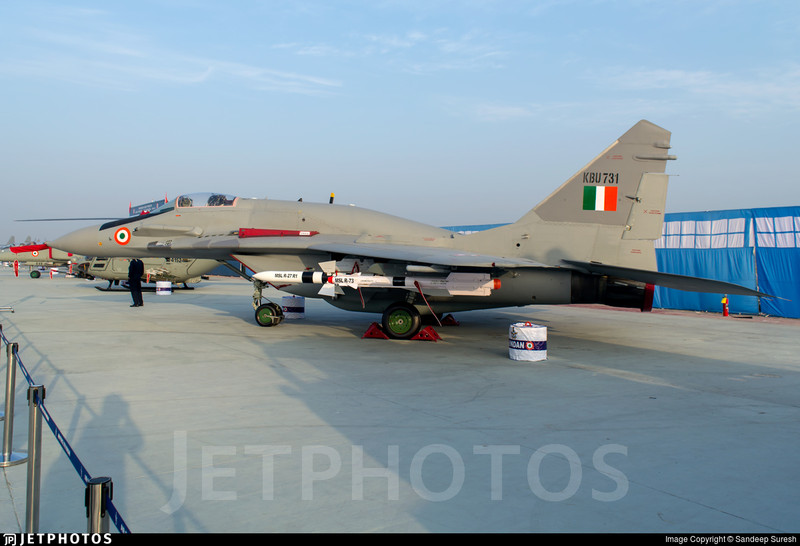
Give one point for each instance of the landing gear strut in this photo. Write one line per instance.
(267, 314)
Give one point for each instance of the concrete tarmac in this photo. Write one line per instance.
(663, 422)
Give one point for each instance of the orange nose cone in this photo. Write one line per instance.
(496, 284)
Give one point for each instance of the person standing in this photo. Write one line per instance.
(135, 272)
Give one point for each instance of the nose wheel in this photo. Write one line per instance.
(269, 314)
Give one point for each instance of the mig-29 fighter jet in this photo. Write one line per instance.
(590, 241)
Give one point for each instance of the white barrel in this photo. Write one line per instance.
(527, 341)
(163, 288)
(294, 307)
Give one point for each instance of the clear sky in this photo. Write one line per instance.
(446, 112)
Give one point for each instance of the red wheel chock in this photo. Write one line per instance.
(450, 320)
(427, 334)
(376, 332)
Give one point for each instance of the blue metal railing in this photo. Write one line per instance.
(113, 513)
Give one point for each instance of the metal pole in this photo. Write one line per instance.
(35, 399)
(98, 492)
(9, 457)
(2, 415)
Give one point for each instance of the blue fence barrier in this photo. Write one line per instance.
(113, 513)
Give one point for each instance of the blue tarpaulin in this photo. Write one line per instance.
(757, 248)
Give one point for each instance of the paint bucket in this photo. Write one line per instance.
(294, 307)
(527, 341)
(163, 288)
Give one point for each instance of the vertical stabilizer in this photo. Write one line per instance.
(647, 212)
(604, 191)
(611, 211)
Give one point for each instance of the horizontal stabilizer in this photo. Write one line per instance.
(669, 280)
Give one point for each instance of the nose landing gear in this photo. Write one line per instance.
(267, 314)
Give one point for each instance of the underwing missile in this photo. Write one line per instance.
(454, 284)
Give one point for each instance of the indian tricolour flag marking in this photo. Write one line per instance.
(600, 198)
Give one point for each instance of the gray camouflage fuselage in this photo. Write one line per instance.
(591, 240)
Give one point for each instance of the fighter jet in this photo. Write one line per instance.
(590, 241)
(11, 242)
(176, 270)
(35, 256)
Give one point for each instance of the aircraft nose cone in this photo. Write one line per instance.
(85, 241)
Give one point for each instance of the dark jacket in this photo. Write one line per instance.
(135, 270)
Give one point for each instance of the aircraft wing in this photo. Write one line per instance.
(424, 255)
(429, 255)
(220, 247)
(668, 280)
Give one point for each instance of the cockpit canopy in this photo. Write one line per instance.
(204, 199)
(194, 200)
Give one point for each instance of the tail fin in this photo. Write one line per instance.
(609, 212)
(603, 221)
(622, 186)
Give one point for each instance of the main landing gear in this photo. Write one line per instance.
(401, 321)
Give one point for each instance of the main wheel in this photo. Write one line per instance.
(269, 314)
(401, 321)
(35, 274)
